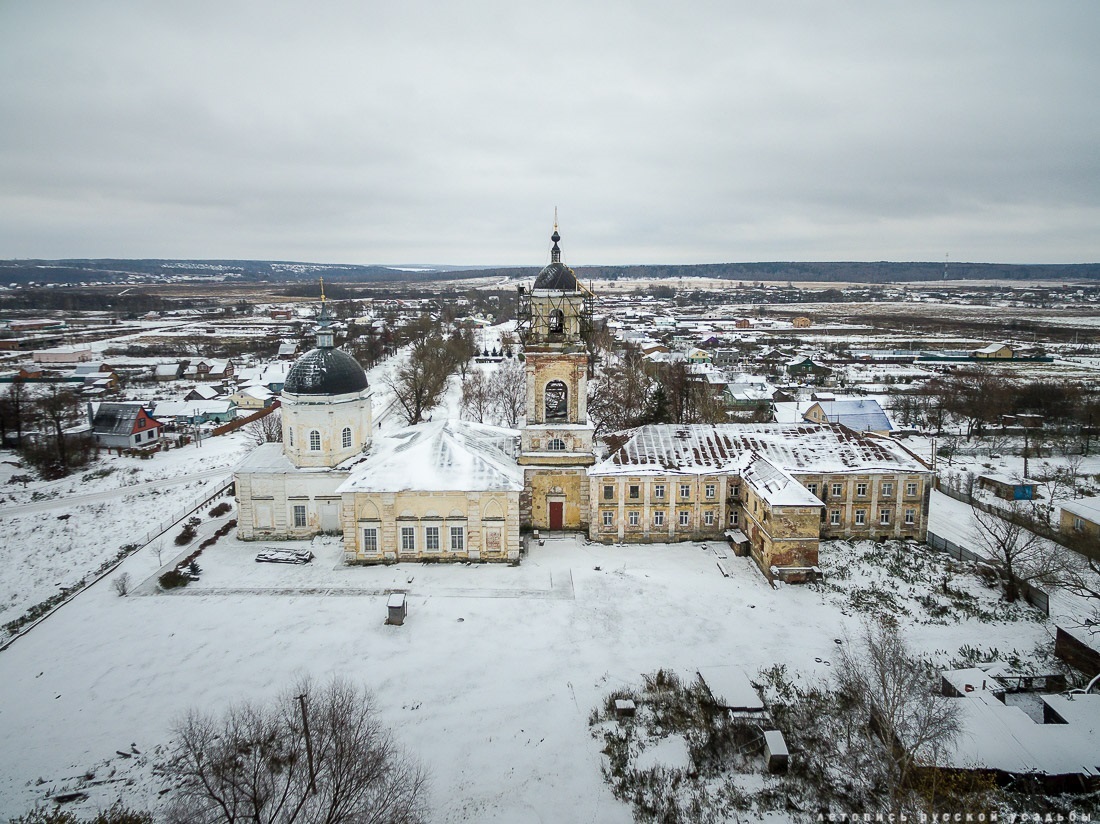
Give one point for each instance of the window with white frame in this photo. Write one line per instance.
(709, 490)
(290, 436)
(658, 490)
(734, 518)
(884, 516)
(608, 518)
(658, 518)
(314, 441)
(910, 516)
(838, 490)
(299, 516)
(861, 490)
(1079, 524)
(345, 438)
(555, 445)
(861, 517)
(632, 518)
(431, 539)
(685, 517)
(708, 517)
(834, 517)
(685, 490)
(408, 539)
(458, 539)
(370, 540)
(911, 489)
(812, 488)
(887, 489)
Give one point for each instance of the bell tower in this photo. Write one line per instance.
(556, 442)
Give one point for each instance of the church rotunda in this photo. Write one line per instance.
(326, 404)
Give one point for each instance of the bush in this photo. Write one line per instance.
(221, 509)
(122, 584)
(187, 534)
(173, 578)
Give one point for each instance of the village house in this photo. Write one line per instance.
(862, 415)
(123, 425)
(1080, 519)
(994, 351)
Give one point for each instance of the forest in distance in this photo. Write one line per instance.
(21, 272)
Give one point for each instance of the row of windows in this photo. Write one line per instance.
(633, 518)
(886, 489)
(860, 516)
(430, 539)
(634, 491)
(315, 439)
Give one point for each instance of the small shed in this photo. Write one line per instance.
(775, 751)
(962, 682)
(739, 542)
(1010, 489)
(397, 609)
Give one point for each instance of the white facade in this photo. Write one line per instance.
(324, 430)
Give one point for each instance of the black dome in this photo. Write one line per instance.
(557, 277)
(325, 371)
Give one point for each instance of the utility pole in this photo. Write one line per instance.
(309, 744)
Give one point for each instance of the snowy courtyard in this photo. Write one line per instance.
(490, 682)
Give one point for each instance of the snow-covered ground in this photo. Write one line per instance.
(490, 681)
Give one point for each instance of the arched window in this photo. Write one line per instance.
(556, 321)
(557, 401)
(314, 441)
(556, 445)
(345, 438)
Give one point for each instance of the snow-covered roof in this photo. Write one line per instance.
(115, 418)
(863, 415)
(999, 737)
(710, 448)
(730, 687)
(1088, 508)
(447, 455)
(190, 409)
(206, 391)
(774, 485)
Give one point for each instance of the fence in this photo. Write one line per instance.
(232, 426)
(1022, 519)
(1034, 596)
(180, 514)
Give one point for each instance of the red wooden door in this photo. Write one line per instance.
(557, 514)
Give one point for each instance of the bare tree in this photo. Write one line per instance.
(1017, 553)
(268, 429)
(477, 399)
(508, 388)
(419, 383)
(316, 754)
(899, 714)
(617, 399)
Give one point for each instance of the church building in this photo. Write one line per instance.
(457, 490)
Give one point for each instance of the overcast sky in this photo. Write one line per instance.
(447, 132)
